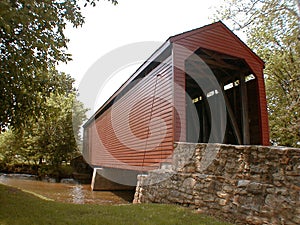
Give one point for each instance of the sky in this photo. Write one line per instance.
(108, 27)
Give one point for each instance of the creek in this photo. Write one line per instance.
(66, 192)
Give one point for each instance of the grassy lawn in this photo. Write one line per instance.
(18, 207)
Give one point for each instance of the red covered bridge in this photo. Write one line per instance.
(204, 85)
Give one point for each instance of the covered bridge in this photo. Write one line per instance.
(204, 85)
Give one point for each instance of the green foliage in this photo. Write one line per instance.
(54, 133)
(32, 39)
(272, 29)
(52, 137)
(9, 147)
(93, 2)
(32, 42)
(18, 207)
(40, 117)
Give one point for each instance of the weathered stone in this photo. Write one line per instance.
(271, 200)
(254, 220)
(221, 194)
(245, 184)
(292, 173)
(256, 188)
(199, 176)
(235, 200)
(208, 198)
(270, 190)
(284, 160)
(188, 196)
(242, 191)
(228, 188)
(296, 219)
(189, 182)
(281, 191)
(190, 169)
(222, 202)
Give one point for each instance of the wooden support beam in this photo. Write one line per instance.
(214, 54)
(245, 113)
(205, 129)
(232, 119)
(216, 63)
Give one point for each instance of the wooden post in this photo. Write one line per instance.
(205, 118)
(232, 119)
(245, 113)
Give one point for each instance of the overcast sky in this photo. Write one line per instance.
(109, 27)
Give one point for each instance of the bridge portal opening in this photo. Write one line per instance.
(236, 82)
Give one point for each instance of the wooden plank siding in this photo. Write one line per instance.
(219, 38)
(122, 138)
(137, 127)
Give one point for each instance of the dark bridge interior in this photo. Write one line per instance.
(239, 87)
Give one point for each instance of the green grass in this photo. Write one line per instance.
(18, 207)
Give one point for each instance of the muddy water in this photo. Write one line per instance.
(70, 193)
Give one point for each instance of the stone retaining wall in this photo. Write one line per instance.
(243, 184)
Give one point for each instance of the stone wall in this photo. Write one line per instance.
(243, 184)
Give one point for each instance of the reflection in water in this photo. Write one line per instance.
(77, 194)
(70, 193)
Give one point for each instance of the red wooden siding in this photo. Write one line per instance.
(122, 137)
(219, 38)
(179, 56)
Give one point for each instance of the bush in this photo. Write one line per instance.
(2, 166)
(58, 173)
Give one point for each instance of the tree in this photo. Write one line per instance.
(56, 135)
(53, 137)
(9, 147)
(272, 28)
(32, 41)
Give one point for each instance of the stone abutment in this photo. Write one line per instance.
(242, 184)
